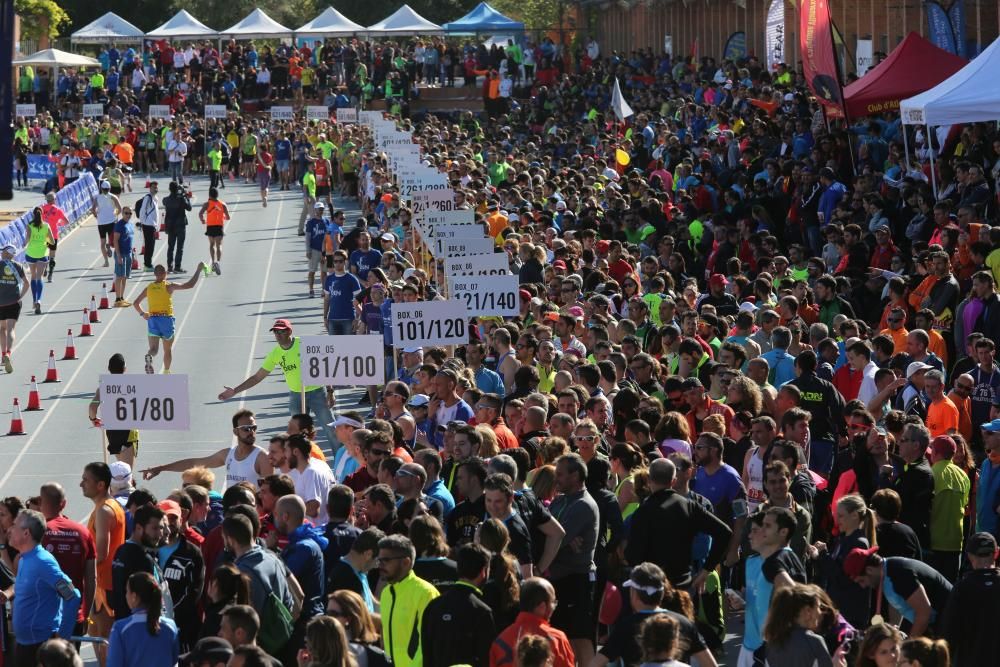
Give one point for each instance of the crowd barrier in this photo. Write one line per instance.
(40, 167)
(76, 200)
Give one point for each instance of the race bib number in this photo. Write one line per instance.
(151, 402)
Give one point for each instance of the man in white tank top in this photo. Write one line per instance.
(107, 209)
(762, 432)
(245, 461)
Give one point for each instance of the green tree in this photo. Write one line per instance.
(41, 17)
(535, 14)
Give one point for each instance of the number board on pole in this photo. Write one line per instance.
(150, 402)
(347, 115)
(25, 111)
(282, 113)
(466, 246)
(436, 199)
(496, 264)
(159, 111)
(93, 110)
(457, 217)
(215, 111)
(317, 112)
(429, 323)
(487, 295)
(343, 361)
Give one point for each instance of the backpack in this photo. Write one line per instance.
(138, 207)
(276, 622)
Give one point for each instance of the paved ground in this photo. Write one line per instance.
(222, 335)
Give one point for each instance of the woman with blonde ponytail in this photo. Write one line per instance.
(146, 637)
(856, 530)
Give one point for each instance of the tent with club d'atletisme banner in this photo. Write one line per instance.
(484, 19)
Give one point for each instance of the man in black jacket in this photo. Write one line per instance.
(914, 481)
(826, 405)
(137, 554)
(973, 602)
(988, 322)
(671, 549)
(184, 572)
(458, 626)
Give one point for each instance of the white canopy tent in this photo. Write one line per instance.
(330, 23)
(970, 95)
(182, 26)
(107, 29)
(57, 58)
(257, 25)
(404, 22)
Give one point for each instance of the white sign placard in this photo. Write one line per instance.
(347, 115)
(437, 199)
(487, 295)
(317, 112)
(863, 56)
(456, 217)
(429, 323)
(93, 110)
(150, 402)
(159, 111)
(496, 264)
(25, 110)
(282, 113)
(342, 360)
(215, 111)
(449, 231)
(466, 246)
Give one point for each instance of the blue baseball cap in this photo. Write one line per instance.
(991, 427)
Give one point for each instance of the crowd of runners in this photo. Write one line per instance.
(751, 390)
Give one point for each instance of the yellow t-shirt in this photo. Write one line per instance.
(289, 362)
(160, 300)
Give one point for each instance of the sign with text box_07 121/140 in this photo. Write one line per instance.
(343, 361)
(487, 295)
(426, 323)
(150, 402)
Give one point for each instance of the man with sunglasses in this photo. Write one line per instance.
(376, 448)
(245, 461)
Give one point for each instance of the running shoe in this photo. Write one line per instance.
(149, 364)
(7, 365)
(312, 294)
(125, 303)
(38, 309)
(166, 371)
(218, 268)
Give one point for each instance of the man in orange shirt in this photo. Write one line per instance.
(126, 155)
(897, 330)
(488, 412)
(961, 396)
(942, 415)
(897, 299)
(538, 601)
(924, 319)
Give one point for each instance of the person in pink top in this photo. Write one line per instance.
(54, 217)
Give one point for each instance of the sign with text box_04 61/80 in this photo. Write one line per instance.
(343, 361)
(487, 295)
(425, 323)
(151, 402)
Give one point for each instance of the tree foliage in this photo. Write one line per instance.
(535, 14)
(41, 17)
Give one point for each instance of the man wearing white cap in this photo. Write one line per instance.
(107, 209)
(911, 399)
(13, 286)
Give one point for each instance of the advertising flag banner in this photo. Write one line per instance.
(819, 61)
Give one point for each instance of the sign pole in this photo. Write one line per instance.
(104, 448)
(302, 398)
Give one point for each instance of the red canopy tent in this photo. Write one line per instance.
(914, 66)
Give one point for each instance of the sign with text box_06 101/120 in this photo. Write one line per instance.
(426, 323)
(150, 402)
(343, 360)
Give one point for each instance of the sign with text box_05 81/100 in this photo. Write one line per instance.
(151, 402)
(426, 323)
(343, 361)
(487, 295)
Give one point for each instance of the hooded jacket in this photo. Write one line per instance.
(304, 557)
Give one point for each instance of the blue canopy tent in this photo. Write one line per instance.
(483, 19)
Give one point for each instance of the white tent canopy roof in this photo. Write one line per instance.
(970, 95)
(108, 28)
(257, 25)
(404, 21)
(182, 26)
(330, 23)
(57, 58)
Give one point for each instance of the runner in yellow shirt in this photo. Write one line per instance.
(160, 318)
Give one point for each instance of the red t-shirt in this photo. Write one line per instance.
(72, 545)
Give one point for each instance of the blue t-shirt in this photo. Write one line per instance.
(758, 599)
(282, 149)
(46, 601)
(316, 232)
(126, 236)
(387, 322)
(724, 490)
(341, 290)
(365, 261)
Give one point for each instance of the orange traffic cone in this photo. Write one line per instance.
(34, 400)
(52, 374)
(70, 346)
(85, 325)
(104, 299)
(16, 423)
(93, 310)
(135, 261)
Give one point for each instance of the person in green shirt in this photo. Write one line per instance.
(951, 495)
(215, 163)
(309, 195)
(286, 354)
(326, 147)
(25, 84)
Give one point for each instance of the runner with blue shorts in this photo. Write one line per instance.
(36, 254)
(160, 318)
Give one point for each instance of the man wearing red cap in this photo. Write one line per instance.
(725, 303)
(286, 355)
(914, 589)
